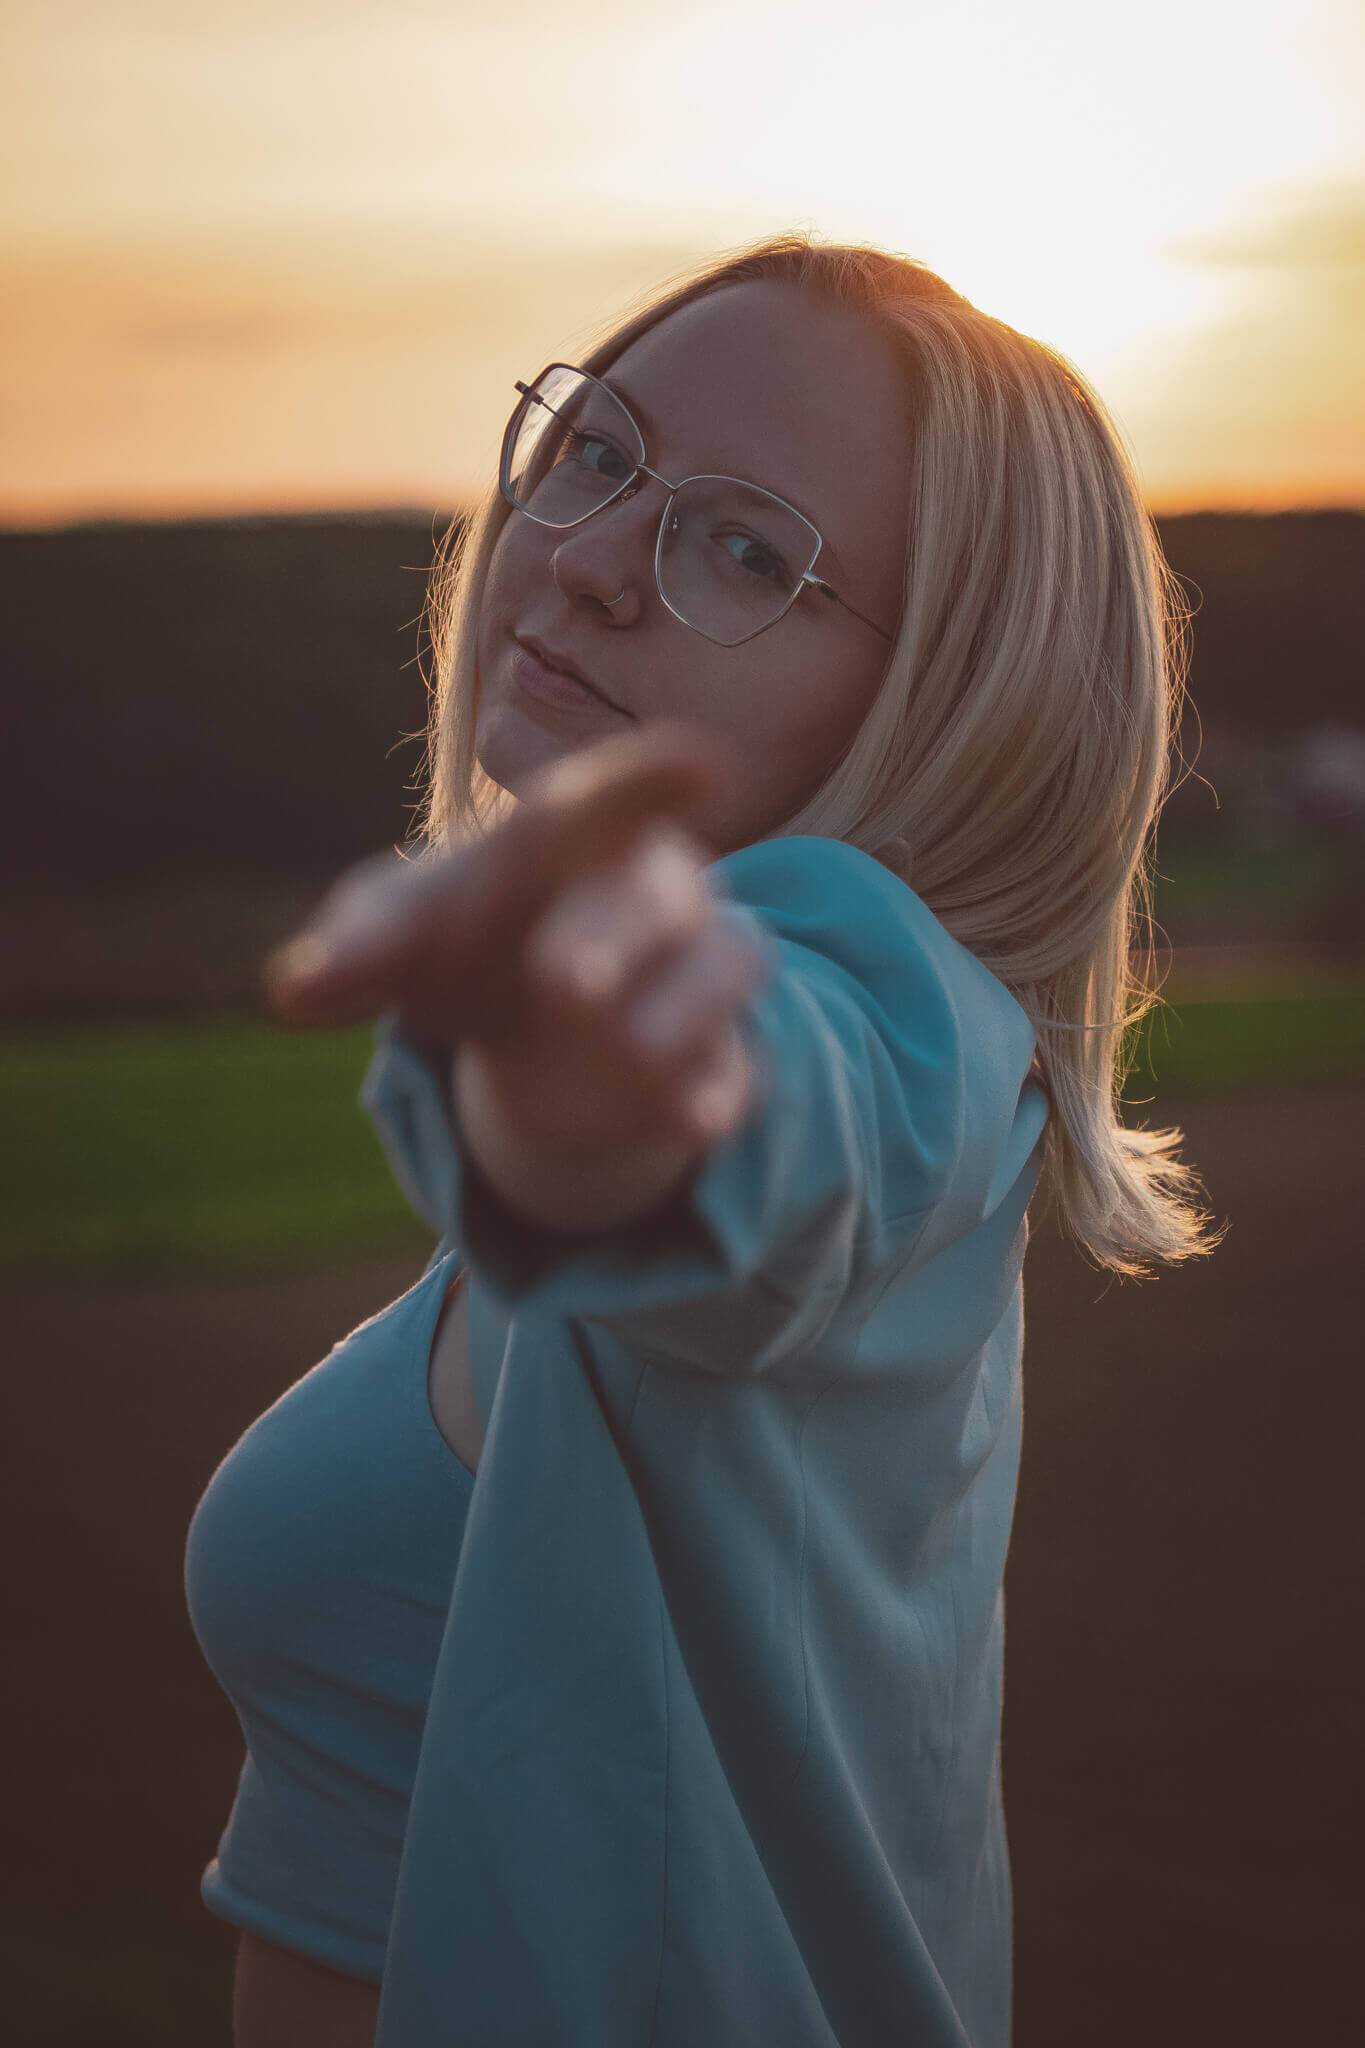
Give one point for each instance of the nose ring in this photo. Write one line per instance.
(610, 601)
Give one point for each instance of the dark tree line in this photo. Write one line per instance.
(231, 699)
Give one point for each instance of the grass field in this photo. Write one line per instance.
(222, 1144)
(226, 1144)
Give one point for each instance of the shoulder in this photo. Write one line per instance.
(844, 906)
(934, 1051)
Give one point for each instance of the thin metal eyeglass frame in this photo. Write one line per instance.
(807, 577)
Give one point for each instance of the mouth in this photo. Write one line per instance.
(560, 665)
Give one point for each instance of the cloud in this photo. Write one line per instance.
(1323, 233)
(233, 334)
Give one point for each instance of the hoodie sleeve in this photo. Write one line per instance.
(892, 1066)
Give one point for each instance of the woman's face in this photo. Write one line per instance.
(761, 382)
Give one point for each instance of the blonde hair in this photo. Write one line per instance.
(1014, 761)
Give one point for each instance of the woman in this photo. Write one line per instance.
(803, 706)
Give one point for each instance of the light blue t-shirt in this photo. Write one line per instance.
(711, 1753)
(318, 1573)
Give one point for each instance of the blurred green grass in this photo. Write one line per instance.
(218, 1144)
(1224, 1045)
(232, 1144)
(1237, 892)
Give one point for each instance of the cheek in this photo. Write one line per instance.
(508, 589)
(790, 731)
(508, 570)
(823, 712)
(519, 569)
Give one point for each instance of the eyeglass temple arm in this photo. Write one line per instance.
(826, 590)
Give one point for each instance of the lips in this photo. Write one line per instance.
(561, 662)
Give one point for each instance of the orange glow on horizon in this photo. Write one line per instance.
(250, 378)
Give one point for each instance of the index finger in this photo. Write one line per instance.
(440, 938)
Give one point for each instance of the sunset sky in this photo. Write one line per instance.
(286, 255)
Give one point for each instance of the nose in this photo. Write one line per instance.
(611, 552)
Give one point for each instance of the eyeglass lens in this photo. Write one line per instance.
(730, 558)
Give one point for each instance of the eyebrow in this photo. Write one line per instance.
(828, 559)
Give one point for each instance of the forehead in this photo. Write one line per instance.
(764, 382)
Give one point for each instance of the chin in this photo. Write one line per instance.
(510, 748)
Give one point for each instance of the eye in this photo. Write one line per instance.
(756, 557)
(596, 453)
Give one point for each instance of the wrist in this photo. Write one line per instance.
(570, 1185)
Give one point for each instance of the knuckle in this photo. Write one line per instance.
(548, 952)
(668, 872)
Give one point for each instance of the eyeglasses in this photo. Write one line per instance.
(730, 560)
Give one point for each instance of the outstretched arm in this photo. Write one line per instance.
(871, 1098)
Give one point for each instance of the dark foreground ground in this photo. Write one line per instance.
(1182, 1753)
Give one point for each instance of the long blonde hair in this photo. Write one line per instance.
(1014, 761)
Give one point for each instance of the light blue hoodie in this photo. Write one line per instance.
(711, 1757)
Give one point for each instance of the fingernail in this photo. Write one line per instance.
(299, 960)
